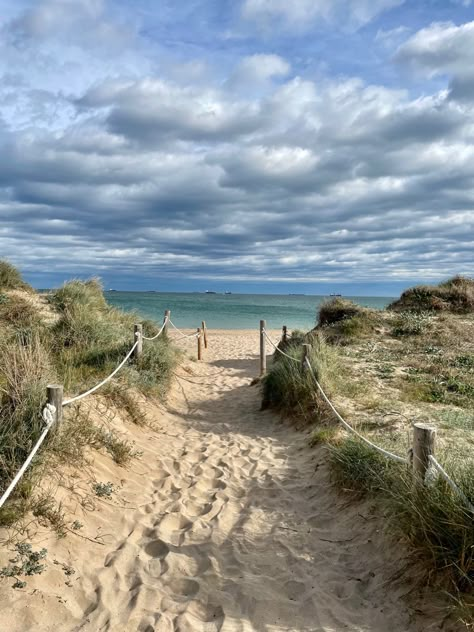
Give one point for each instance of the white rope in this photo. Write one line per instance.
(174, 326)
(48, 414)
(97, 386)
(450, 482)
(194, 335)
(165, 322)
(277, 348)
(389, 455)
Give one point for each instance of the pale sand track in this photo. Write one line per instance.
(236, 527)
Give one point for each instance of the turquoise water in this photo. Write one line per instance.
(231, 311)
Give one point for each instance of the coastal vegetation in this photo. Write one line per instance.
(383, 371)
(73, 337)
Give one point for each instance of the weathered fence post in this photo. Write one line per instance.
(423, 446)
(263, 353)
(54, 395)
(166, 320)
(204, 331)
(284, 336)
(306, 352)
(199, 339)
(138, 334)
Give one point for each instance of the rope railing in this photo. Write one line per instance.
(163, 326)
(445, 476)
(51, 413)
(421, 455)
(104, 381)
(347, 426)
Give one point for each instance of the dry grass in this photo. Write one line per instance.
(10, 277)
(455, 295)
(77, 341)
(393, 368)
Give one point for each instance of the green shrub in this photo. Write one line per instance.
(24, 373)
(433, 518)
(10, 277)
(337, 309)
(291, 389)
(344, 320)
(455, 295)
(411, 324)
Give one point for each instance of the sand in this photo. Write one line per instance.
(227, 522)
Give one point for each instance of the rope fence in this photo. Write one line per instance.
(421, 455)
(52, 412)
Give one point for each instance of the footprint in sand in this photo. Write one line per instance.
(189, 562)
(194, 509)
(157, 550)
(173, 527)
(200, 617)
(182, 588)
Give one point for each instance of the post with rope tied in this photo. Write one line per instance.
(263, 353)
(284, 333)
(54, 396)
(306, 354)
(424, 437)
(166, 320)
(138, 337)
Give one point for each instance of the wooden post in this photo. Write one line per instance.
(306, 352)
(138, 334)
(423, 445)
(54, 394)
(166, 320)
(204, 331)
(284, 336)
(199, 339)
(263, 353)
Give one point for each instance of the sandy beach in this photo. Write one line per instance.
(227, 522)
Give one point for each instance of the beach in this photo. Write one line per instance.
(227, 522)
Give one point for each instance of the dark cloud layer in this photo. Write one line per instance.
(127, 171)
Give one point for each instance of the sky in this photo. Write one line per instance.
(247, 145)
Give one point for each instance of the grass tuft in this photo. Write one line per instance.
(434, 520)
(10, 277)
(455, 295)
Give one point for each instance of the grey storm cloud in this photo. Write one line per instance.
(293, 179)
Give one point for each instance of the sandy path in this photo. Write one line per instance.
(237, 529)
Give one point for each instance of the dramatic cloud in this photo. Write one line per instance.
(244, 164)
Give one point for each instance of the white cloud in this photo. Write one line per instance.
(257, 70)
(301, 14)
(441, 48)
(83, 22)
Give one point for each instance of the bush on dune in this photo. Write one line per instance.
(25, 370)
(342, 320)
(290, 389)
(454, 295)
(10, 278)
(78, 345)
(433, 519)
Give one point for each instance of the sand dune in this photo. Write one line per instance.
(228, 523)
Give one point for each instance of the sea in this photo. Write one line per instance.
(231, 311)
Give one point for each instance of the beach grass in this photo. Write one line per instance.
(75, 338)
(385, 370)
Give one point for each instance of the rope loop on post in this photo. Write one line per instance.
(49, 414)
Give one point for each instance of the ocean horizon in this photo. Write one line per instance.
(231, 311)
